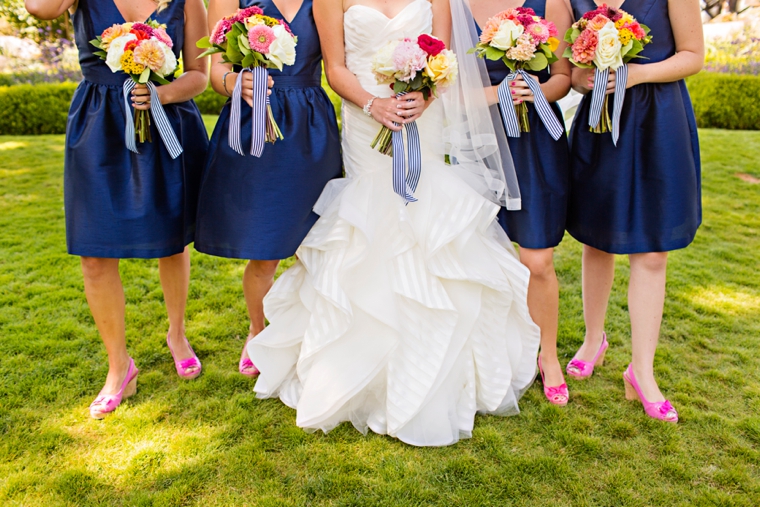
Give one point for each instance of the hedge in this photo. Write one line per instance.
(35, 109)
(720, 101)
(725, 101)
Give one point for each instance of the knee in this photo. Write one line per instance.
(539, 262)
(652, 261)
(95, 268)
(263, 269)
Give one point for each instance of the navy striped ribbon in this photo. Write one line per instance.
(404, 184)
(597, 98)
(544, 110)
(163, 126)
(259, 112)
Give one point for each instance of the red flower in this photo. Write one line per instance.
(430, 45)
(246, 13)
(525, 20)
(526, 10)
(130, 46)
(141, 31)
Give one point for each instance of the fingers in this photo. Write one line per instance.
(270, 82)
(141, 97)
(520, 91)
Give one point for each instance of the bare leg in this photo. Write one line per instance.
(257, 280)
(105, 295)
(598, 275)
(174, 272)
(543, 303)
(646, 297)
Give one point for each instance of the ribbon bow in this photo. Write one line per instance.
(165, 129)
(597, 98)
(259, 111)
(544, 110)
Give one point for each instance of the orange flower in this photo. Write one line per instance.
(598, 22)
(492, 26)
(150, 54)
(110, 34)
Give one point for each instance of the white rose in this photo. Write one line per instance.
(608, 49)
(170, 61)
(116, 51)
(282, 51)
(506, 35)
(382, 63)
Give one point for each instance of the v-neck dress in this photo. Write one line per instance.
(118, 203)
(261, 208)
(642, 195)
(543, 169)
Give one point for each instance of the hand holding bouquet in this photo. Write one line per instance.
(422, 64)
(523, 41)
(606, 39)
(256, 43)
(144, 52)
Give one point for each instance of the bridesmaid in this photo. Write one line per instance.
(543, 170)
(121, 204)
(641, 198)
(260, 209)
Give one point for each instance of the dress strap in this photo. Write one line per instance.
(537, 5)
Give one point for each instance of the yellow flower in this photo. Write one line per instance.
(256, 19)
(128, 64)
(553, 43)
(442, 68)
(625, 35)
(627, 18)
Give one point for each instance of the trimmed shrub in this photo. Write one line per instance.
(35, 109)
(725, 101)
(210, 102)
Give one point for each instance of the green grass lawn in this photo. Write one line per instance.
(211, 442)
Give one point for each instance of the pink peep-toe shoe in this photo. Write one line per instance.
(661, 410)
(184, 366)
(247, 368)
(557, 395)
(106, 403)
(583, 369)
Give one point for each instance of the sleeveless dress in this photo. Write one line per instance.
(261, 208)
(121, 204)
(644, 194)
(543, 169)
(405, 320)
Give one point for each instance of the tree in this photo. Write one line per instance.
(27, 26)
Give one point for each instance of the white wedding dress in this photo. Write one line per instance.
(406, 320)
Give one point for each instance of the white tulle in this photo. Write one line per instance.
(404, 320)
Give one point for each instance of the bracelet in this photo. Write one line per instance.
(368, 106)
(224, 83)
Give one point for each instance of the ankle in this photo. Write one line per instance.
(177, 334)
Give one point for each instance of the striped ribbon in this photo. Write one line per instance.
(163, 126)
(544, 110)
(404, 184)
(259, 112)
(597, 98)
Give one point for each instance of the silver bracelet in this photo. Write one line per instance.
(224, 82)
(368, 106)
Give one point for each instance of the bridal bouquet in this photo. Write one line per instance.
(423, 64)
(606, 39)
(523, 41)
(143, 51)
(256, 43)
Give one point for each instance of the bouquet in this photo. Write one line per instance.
(422, 64)
(523, 41)
(606, 39)
(256, 43)
(144, 52)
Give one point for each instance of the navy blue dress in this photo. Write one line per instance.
(121, 204)
(644, 194)
(543, 169)
(261, 208)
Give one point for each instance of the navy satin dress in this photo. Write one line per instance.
(121, 204)
(644, 194)
(261, 208)
(543, 170)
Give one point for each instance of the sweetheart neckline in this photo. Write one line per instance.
(382, 13)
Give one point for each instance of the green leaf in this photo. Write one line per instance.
(158, 79)
(398, 87)
(572, 34)
(510, 63)
(248, 60)
(494, 54)
(568, 53)
(101, 54)
(243, 42)
(144, 76)
(204, 43)
(96, 43)
(210, 51)
(538, 62)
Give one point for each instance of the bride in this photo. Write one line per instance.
(403, 319)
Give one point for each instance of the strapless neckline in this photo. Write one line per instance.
(399, 13)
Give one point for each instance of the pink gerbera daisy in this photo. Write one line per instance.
(261, 37)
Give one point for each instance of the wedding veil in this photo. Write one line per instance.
(473, 133)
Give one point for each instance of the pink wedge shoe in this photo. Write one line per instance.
(106, 403)
(247, 368)
(557, 395)
(583, 369)
(661, 410)
(184, 365)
